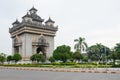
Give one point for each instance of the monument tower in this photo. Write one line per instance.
(33, 35)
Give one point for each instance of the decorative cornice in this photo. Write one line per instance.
(33, 25)
(27, 29)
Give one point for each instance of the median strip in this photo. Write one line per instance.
(64, 70)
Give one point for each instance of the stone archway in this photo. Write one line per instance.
(16, 47)
(41, 50)
(17, 43)
(40, 46)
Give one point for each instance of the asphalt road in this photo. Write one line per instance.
(11, 74)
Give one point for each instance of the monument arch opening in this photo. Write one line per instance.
(41, 49)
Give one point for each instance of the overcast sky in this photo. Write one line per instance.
(98, 21)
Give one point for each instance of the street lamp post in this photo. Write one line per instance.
(105, 52)
(113, 57)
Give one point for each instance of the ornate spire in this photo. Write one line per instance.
(50, 20)
(33, 10)
(27, 15)
(16, 22)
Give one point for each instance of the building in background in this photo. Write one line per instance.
(33, 35)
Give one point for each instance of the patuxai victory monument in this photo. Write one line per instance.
(33, 35)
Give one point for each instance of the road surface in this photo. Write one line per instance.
(12, 74)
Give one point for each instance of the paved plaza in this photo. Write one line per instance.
(12, 74)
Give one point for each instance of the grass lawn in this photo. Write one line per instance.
(60, 65)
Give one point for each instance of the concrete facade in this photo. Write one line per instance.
(33, 36)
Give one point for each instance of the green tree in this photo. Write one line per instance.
(9, 58)
(37, 58)
(95, 52)
(80, 45)
(62, 53)
(32, 58)
(2, 58)
(113, 56)
(17, 57)
(117, 50)
(85, 59)
(52, 59)
(42, 58)
(77, 56)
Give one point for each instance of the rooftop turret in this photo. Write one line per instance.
(49, 22)
(16, 23)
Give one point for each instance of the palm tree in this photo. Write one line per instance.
(81, 45)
